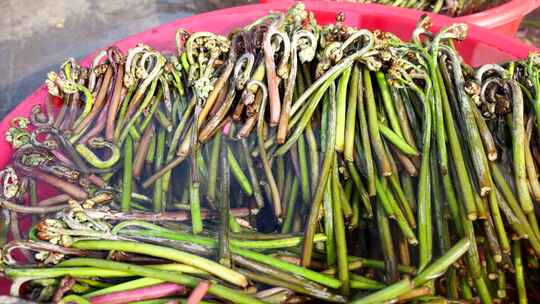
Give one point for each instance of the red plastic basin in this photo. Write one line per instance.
(480, 47)
(504, 19)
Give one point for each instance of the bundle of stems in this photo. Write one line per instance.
(286, 162)
(452, 8)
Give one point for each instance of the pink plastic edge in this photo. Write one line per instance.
(220, 21)
(504, 18)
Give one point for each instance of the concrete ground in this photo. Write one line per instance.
(36, 36)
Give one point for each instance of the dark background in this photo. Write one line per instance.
(37, 36)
